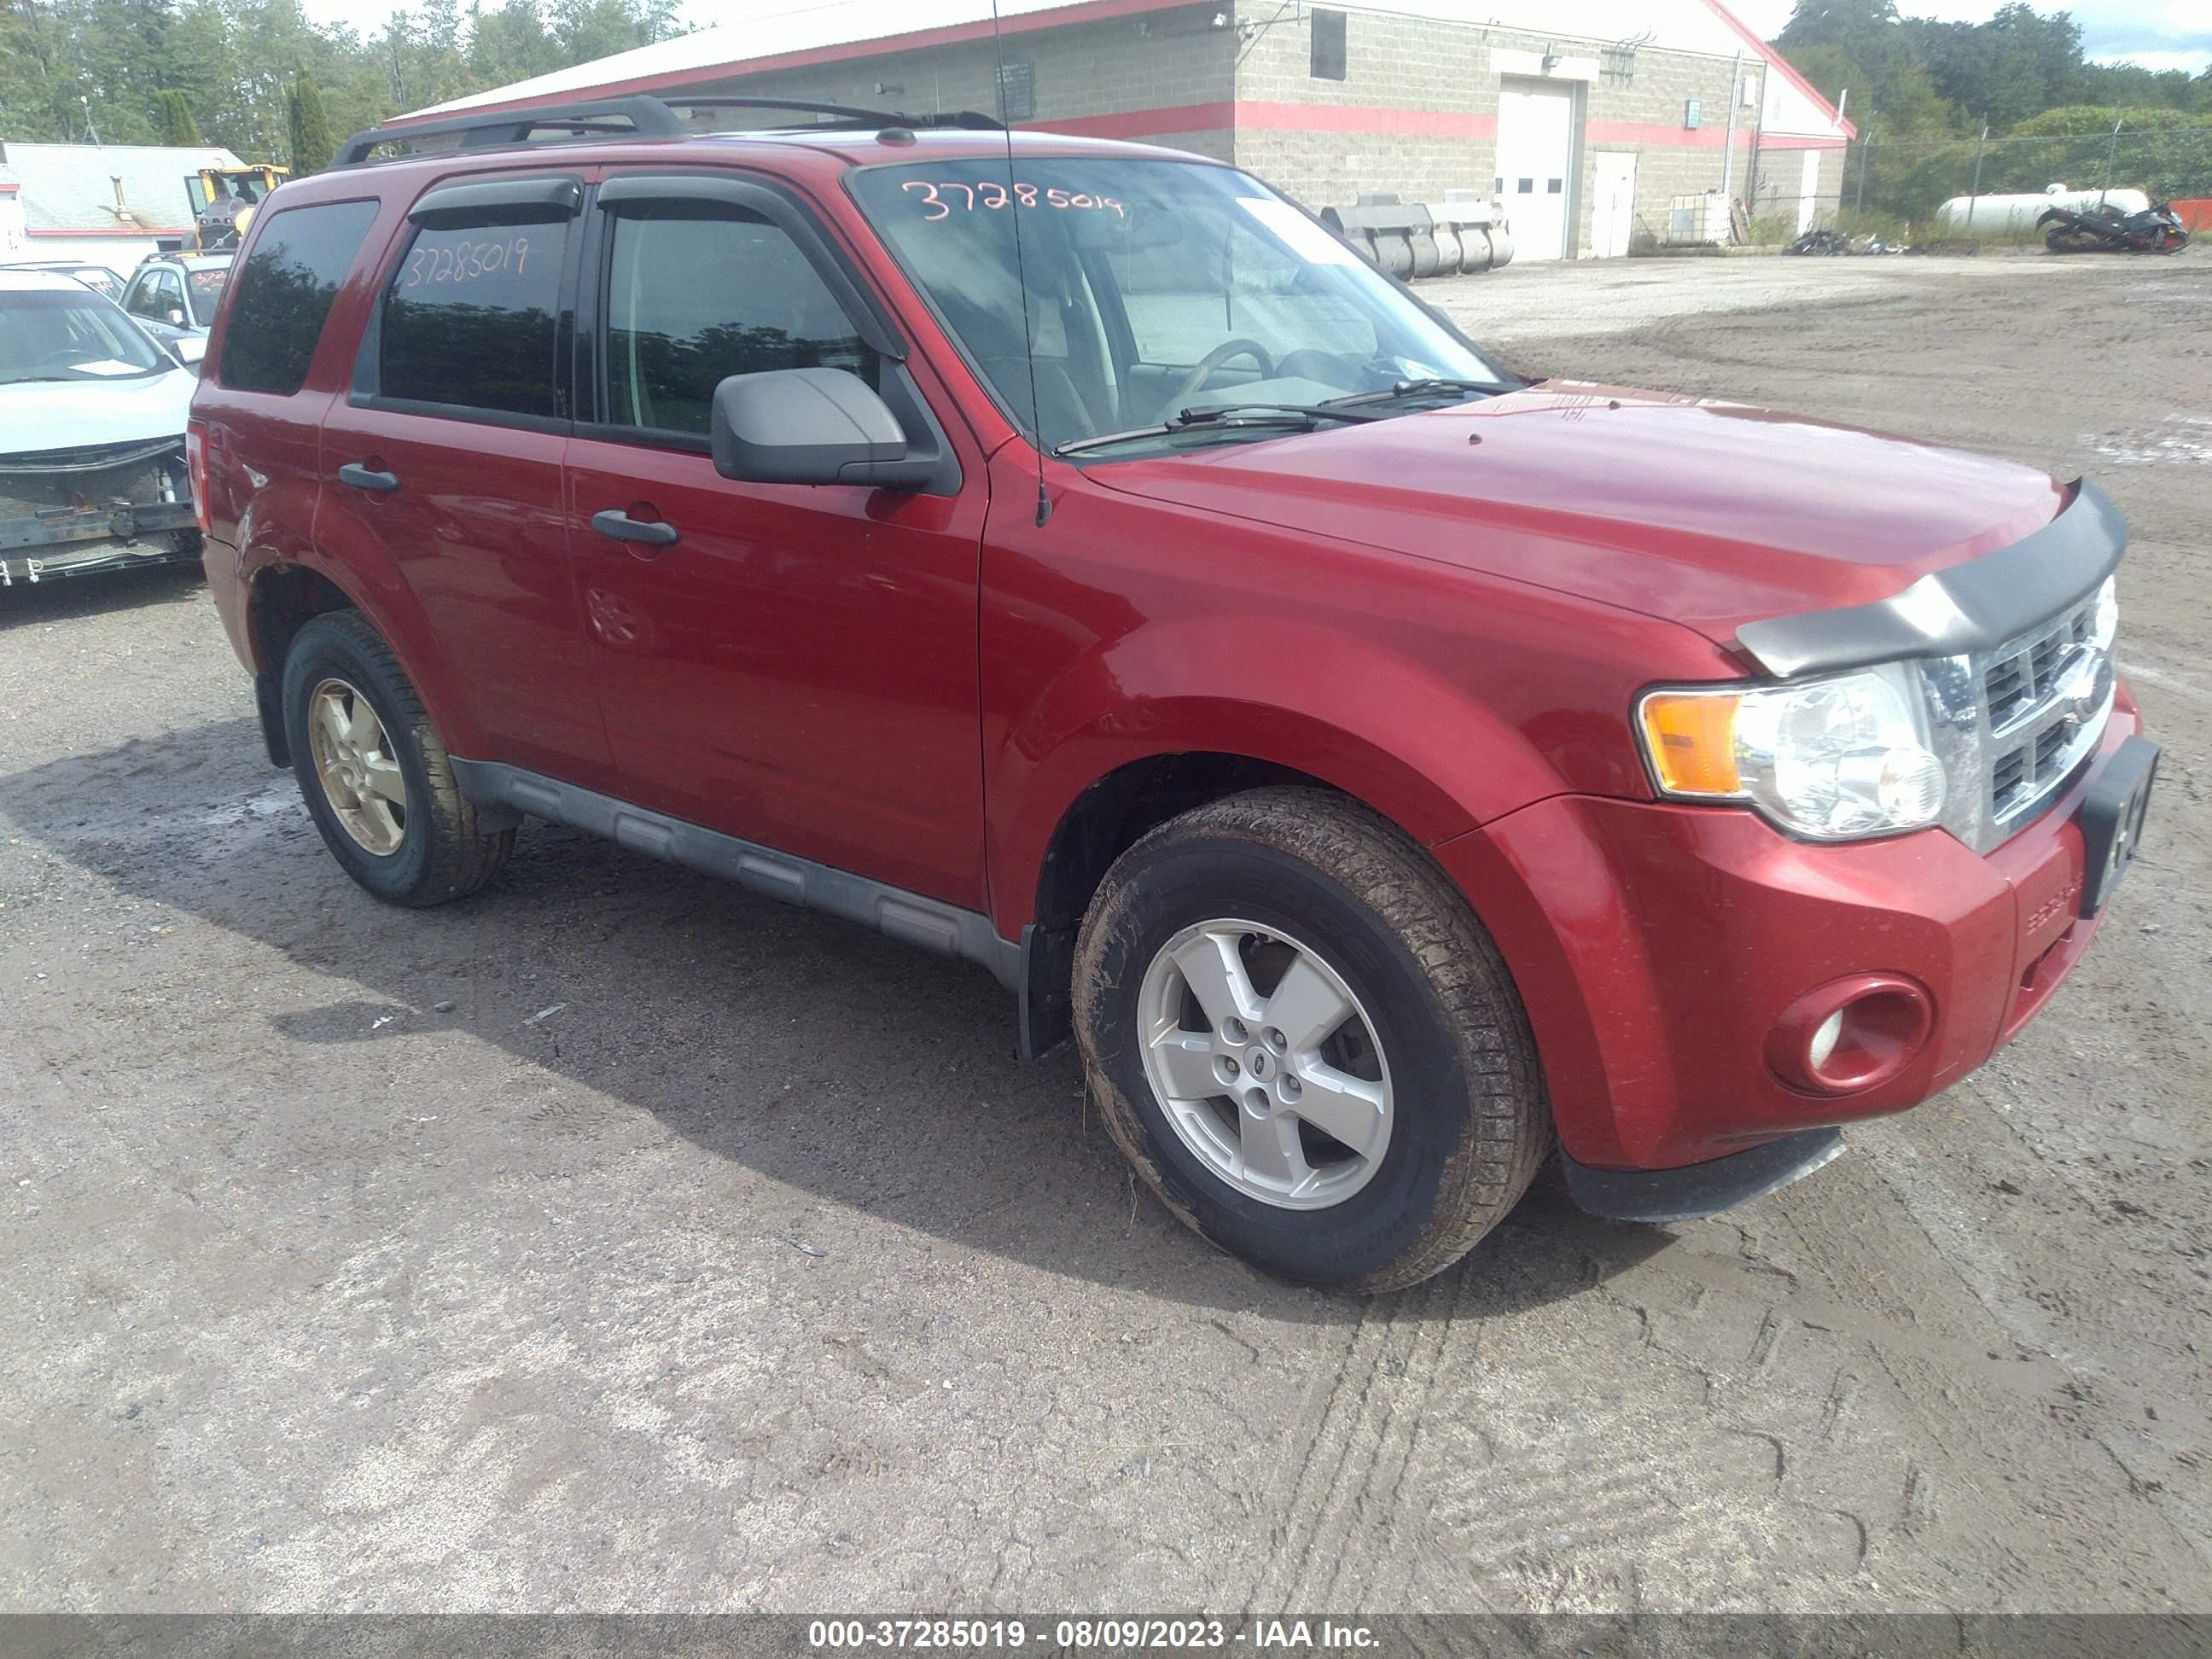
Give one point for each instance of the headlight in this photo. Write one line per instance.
(2106, 626)
(1832, 759)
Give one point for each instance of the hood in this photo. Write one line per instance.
(42, 415)
(1710, 514)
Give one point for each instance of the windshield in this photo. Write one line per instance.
(70, 336)
(1153, 287)
(203, 285)
(99, 278)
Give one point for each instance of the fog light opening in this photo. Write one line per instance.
(1825, 1040)
(1851, 1034)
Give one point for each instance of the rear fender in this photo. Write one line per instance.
(360, 568)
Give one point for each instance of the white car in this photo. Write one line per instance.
(93, 472)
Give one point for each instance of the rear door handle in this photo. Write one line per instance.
(362, 477)
(618, 524)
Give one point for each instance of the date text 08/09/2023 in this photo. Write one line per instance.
(1082, 1635)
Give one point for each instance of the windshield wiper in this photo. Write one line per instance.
(1429, 386)
(1227, 418)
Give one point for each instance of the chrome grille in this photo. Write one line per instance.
(2046, 696)
(2015, 723)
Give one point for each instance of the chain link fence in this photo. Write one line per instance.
(1893, 189)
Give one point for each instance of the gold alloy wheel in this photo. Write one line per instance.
(360, 776)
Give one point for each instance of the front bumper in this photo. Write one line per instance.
(78, 542)
(1655, 946)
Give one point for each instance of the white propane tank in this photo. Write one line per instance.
(2002, 213)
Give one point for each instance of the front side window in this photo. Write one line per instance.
(157, 295)
(1144, 288)
(469, 318)
(74, 336)
(695, 294)
(285, 291)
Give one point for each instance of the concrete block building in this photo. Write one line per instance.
(1595, 124)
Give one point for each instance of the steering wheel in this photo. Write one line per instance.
(1202, 371)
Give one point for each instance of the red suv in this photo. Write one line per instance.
(1069, 556)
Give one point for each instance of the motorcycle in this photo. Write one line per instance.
(2157, 229)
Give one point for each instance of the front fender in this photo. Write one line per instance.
(1125, 627)
(1297, 695)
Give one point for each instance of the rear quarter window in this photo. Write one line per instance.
(284, 293)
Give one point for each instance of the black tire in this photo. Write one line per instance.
(444, 852)
(1471, 1124)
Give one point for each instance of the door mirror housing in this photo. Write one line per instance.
(176, 318)
(811, 426)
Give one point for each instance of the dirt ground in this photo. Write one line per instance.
(620, 1240)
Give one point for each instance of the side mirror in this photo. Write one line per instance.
(189, 349)
(811, 426)
(176, 318)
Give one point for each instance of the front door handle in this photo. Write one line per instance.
(362, 477)
(618, 525)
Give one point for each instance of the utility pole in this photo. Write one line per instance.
(1975, 196)
(85, 104)
(1865, 144)
(2111, 155)
(1736, 99)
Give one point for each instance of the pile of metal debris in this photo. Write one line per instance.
(1836, 242)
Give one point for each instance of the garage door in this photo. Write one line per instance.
(1535, 155)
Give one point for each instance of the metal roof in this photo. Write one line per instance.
(121, 190)
(794, 34)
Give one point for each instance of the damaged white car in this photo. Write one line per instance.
(93, 472)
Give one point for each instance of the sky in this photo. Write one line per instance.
(2156, 33)
(2159, 34)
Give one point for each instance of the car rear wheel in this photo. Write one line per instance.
(375, 776)
(1306, 1043)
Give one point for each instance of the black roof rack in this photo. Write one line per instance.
(635, 117)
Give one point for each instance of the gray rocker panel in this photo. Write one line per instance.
(910, 918)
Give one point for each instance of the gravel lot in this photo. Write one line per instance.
(617, 1240)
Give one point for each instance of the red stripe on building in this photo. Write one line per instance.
(126, 231)
(1659, 135)
(1249, 115)
(1354, 118)
(1140, 122)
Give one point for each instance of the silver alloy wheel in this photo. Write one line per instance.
(1266, 1063)
(360, 776)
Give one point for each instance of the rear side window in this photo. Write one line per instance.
(284, 293)
(469, 318)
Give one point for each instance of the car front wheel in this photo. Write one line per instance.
(1305, 1042)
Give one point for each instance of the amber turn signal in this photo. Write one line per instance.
(1690, 737)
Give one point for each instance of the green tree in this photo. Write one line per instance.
(1862, 45)
(311, 145)
(2003, 71)
(177, 127)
